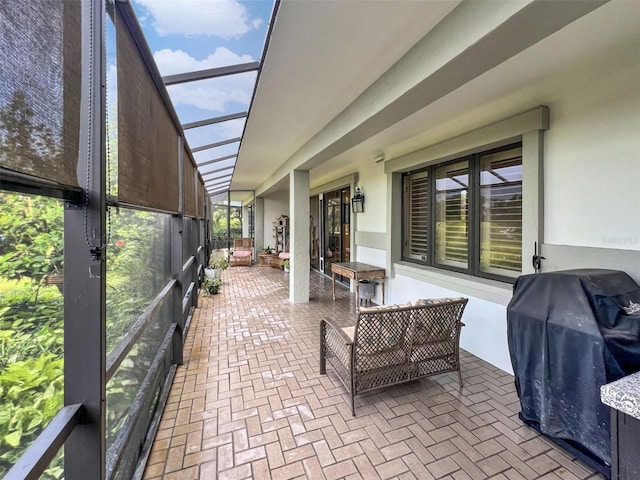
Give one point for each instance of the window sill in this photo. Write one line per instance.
(483, 288)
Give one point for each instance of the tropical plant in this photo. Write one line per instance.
(31, 326)
(222, 263)
(211, 285)
(286, 264)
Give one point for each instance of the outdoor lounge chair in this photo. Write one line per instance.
(392, 344)
(242, 252)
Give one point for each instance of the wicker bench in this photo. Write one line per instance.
(393, 344)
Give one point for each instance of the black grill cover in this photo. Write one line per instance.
(570, 332)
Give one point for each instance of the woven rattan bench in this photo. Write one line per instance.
(393, 344)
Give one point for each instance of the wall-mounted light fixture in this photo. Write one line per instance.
(379, 158)
(357, 202)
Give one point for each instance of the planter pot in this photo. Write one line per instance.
(366, 291)
(286, 269)
(209, 272)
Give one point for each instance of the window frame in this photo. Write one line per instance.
(474, 214)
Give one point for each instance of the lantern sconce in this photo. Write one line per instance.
(357, 202)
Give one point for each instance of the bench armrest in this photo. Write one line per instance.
(331, 323)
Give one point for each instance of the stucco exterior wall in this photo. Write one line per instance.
(275, 205)
(591, 180)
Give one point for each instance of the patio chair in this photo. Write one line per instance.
(242, 252)
(392, 344)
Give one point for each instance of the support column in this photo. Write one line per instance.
(299, 236)
(259, 226)
(85, 269)
(245, 220)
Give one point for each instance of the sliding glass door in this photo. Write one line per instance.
(336, 244)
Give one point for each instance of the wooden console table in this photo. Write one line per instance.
(268, 260)
(356, 271)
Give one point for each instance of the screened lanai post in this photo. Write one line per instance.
(85, 271)
(228, 221)
(299, 236)
(177, 226)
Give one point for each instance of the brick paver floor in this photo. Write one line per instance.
(249, 403)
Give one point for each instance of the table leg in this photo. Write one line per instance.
(383, 291)
(357, 291)
(333, 280)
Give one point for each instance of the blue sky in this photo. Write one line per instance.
(189, 35)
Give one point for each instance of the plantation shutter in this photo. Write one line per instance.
(416, 235)
(40, 83)
(501, 213)
(147, 137)
(452, 223)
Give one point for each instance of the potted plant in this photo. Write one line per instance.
(211, 285)
(286, 265)
(266, 249)
(217, 267)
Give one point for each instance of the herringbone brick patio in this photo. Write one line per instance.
(249, 403)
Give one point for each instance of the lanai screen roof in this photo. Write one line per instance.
(342, 82)
(209, 54)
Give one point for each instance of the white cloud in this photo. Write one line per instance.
(222, 18)
(213, 94)
(177, 61)
(215, 133)
(232, 128)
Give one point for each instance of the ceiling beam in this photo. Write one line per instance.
(216, 160)
(216, 192)
(217, 171)
(211, 121)
(210, 73)
(224, 178)
(216, 144)
(216, 182)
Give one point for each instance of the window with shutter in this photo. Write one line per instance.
(452, 219)
(466, 215)
(501, 213)
(416, 188)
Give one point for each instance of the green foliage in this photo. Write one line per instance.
(137, 270)
(222, 263)
(210, 285)
(134, 269)
(32, 392)
(31, 315)
(31, 326)
(30, 236)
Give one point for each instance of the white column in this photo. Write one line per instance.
(299, 236)
(259, 213)
(245, 221)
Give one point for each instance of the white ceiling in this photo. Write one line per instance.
(323, 55)
(517, 85)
